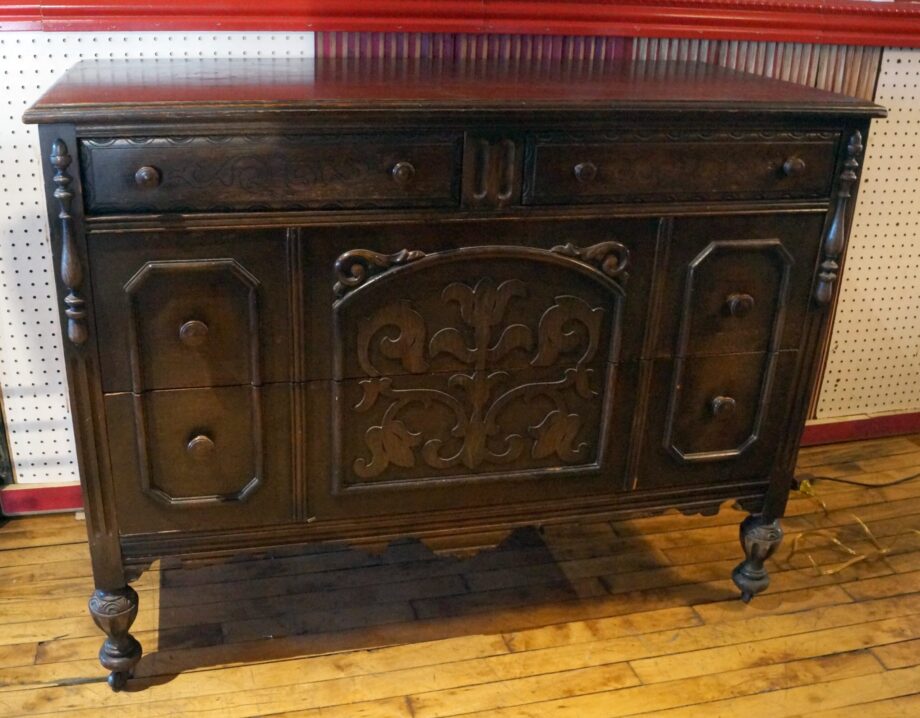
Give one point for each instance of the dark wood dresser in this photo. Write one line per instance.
(352, 301)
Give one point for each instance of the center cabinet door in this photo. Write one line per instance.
(471, 364)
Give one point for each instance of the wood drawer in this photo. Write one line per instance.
(718, 416)
(738, 283)
(192, 309)
(196, 458)
(680, 166)
(169, 174)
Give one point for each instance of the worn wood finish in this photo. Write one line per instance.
(615, 619)
(358, 301)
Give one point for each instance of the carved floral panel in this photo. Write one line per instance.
(487, 362)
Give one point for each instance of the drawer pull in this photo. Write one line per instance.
(794, 167)
(585, 171)
(193, 333)
(147, 177)
(402, 173)
(739, 305)
(200, 447)
(722, 406)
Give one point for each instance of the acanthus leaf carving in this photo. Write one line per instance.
(71, 269)
(475, 400)
(355, 267)
(610, 257)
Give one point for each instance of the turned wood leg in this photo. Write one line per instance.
(114, 612)
(759, 539)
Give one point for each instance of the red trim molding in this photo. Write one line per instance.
(20, 499)
(856, 22)
(872, 427)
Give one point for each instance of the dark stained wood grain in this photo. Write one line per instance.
(197, 87)
(345, 301)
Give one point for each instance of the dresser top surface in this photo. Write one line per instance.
(167, 89)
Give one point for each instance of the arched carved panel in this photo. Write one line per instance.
(474, 363)
(718, 414)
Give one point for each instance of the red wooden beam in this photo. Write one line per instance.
(858, 22)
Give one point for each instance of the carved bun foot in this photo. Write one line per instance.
(118, 680)
(114, 612)
(759, 539)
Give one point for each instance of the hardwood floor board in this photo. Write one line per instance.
(869, 470)
(899, 655)
(856, 450)
(900, 707)
(656, 699)
(49, 530)
(772, 603)
(891, 532)
(184, 638)
(802, 699)
(555, 684)
(40, 555)
(329, 675)
(776, 650)
(18, 654)
(709, 636)
(883, 585)
(569, 570)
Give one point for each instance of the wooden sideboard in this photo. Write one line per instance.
(355, 301)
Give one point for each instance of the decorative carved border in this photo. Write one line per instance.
(681, 357)
(148, 485)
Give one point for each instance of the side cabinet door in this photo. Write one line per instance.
(726, 369)
(487, 374)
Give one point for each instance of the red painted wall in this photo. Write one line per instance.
(857, 22)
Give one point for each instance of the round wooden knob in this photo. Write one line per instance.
(793, 167)
(402, 173)
(200, 447)
(739, 305)
(722, 406)
(585, 171)
(147, 177)
(193, 333)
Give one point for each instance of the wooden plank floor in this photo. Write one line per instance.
(590, 621)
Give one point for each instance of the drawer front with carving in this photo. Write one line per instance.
(201, 457)
(272, 172)
(722, 414)
(738, 284)
(193, 309)
(678, 166)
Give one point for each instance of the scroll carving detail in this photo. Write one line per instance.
(829, 270)
(475, 400)
(612, 258)
(71, 269)
(354, 268)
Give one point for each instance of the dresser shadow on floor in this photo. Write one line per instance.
(300, 602)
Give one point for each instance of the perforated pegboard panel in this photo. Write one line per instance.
(31, 366)
(873, 363)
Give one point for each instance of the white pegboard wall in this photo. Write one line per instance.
(32, 374)
(873, 361)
